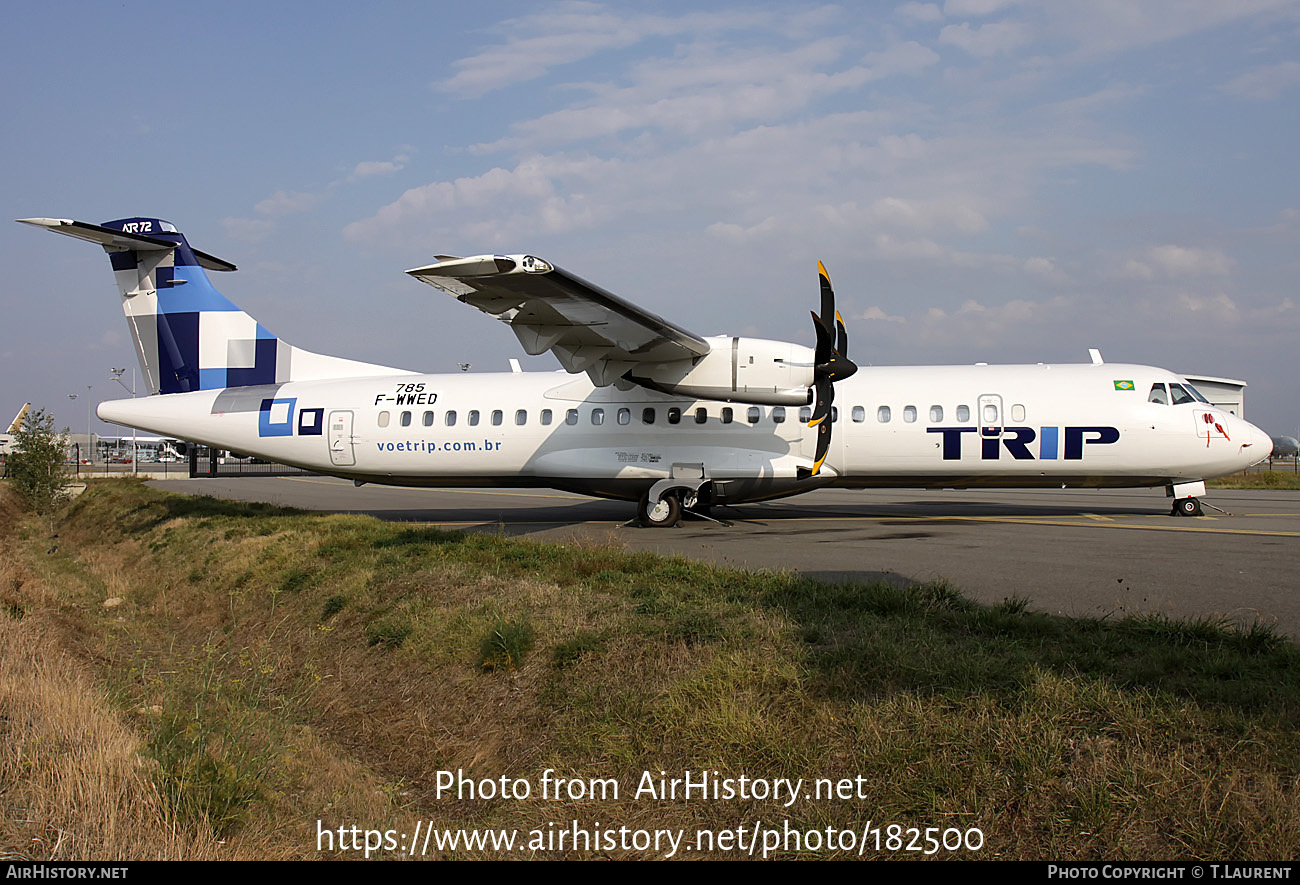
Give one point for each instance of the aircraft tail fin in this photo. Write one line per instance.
(187, 335)
(17, 424)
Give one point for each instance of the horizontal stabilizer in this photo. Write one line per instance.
(123, 241)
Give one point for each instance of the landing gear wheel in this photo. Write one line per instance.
(1188, 507)
(666, 513)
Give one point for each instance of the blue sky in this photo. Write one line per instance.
(986, 180)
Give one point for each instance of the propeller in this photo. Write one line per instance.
(831, 364)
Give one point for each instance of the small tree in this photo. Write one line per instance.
(35, 464)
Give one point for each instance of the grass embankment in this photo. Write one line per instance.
(1281, 478)
(190, 677)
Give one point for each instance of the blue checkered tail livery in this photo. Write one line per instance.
(187, 335)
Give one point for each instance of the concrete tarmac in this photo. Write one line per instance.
(1078, 552)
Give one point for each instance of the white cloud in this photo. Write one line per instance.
(875, 314)
(540, 195)
(1266, 83)
(1216, 308)
(1183, 261)
(572, 31)
(707, 88)
(1103, 27)
(286, 203)
(974, 323)
(919, 12)
(902, 58)
(1169, 261)
(248, 230)
(987, 40)
(975, 8)
(371, 168)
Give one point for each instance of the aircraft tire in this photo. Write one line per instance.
(666, 513)
(1188, 507)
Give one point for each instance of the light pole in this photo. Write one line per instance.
(135, 452)
(73, 397)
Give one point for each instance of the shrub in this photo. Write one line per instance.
(35, 466)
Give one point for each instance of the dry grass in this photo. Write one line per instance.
(295, 668)
(75, 780)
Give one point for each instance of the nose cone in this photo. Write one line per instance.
(1256, 445)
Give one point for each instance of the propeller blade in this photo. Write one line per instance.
(828, 295)
(824, 393)
(831, 364)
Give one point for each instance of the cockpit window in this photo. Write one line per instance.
(1158, 395)
(1196, 393)
(1179, 395)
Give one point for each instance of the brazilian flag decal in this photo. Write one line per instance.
(1124, 385)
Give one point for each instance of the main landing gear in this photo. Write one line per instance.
(664, 513)
(674, 503)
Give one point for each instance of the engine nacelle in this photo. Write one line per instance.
(737, 370)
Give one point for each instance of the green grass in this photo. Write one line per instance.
(1280, 478)
(412, 650)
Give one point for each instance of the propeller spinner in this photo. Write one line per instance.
(832, 364)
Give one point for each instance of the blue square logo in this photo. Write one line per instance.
(276, 417)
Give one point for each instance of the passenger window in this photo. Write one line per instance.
(427, 420)
(624, 416)
(835, 414)
(472, 418)
(963, 414)
(571, 416)
(859, 414)
(546, 417)
(647, 416)
(805, 414)
(406, 419)
(726, 415)
(753, 414)
(383, 419)
(778, 415)
(990, 413)
(1017, 413)
(496, 417)
(450, 418)
(883, 414)
(521, 417)
(674, 415)
(597, 416)
(701, 415)
(909, 414)
(936, 414)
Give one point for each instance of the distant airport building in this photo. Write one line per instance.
(1228, 394)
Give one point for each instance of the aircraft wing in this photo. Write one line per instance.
(587, 328)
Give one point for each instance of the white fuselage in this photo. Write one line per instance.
(949, 426)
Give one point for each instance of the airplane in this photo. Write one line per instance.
(7, 438)
(644, 410)
(1284, 447)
